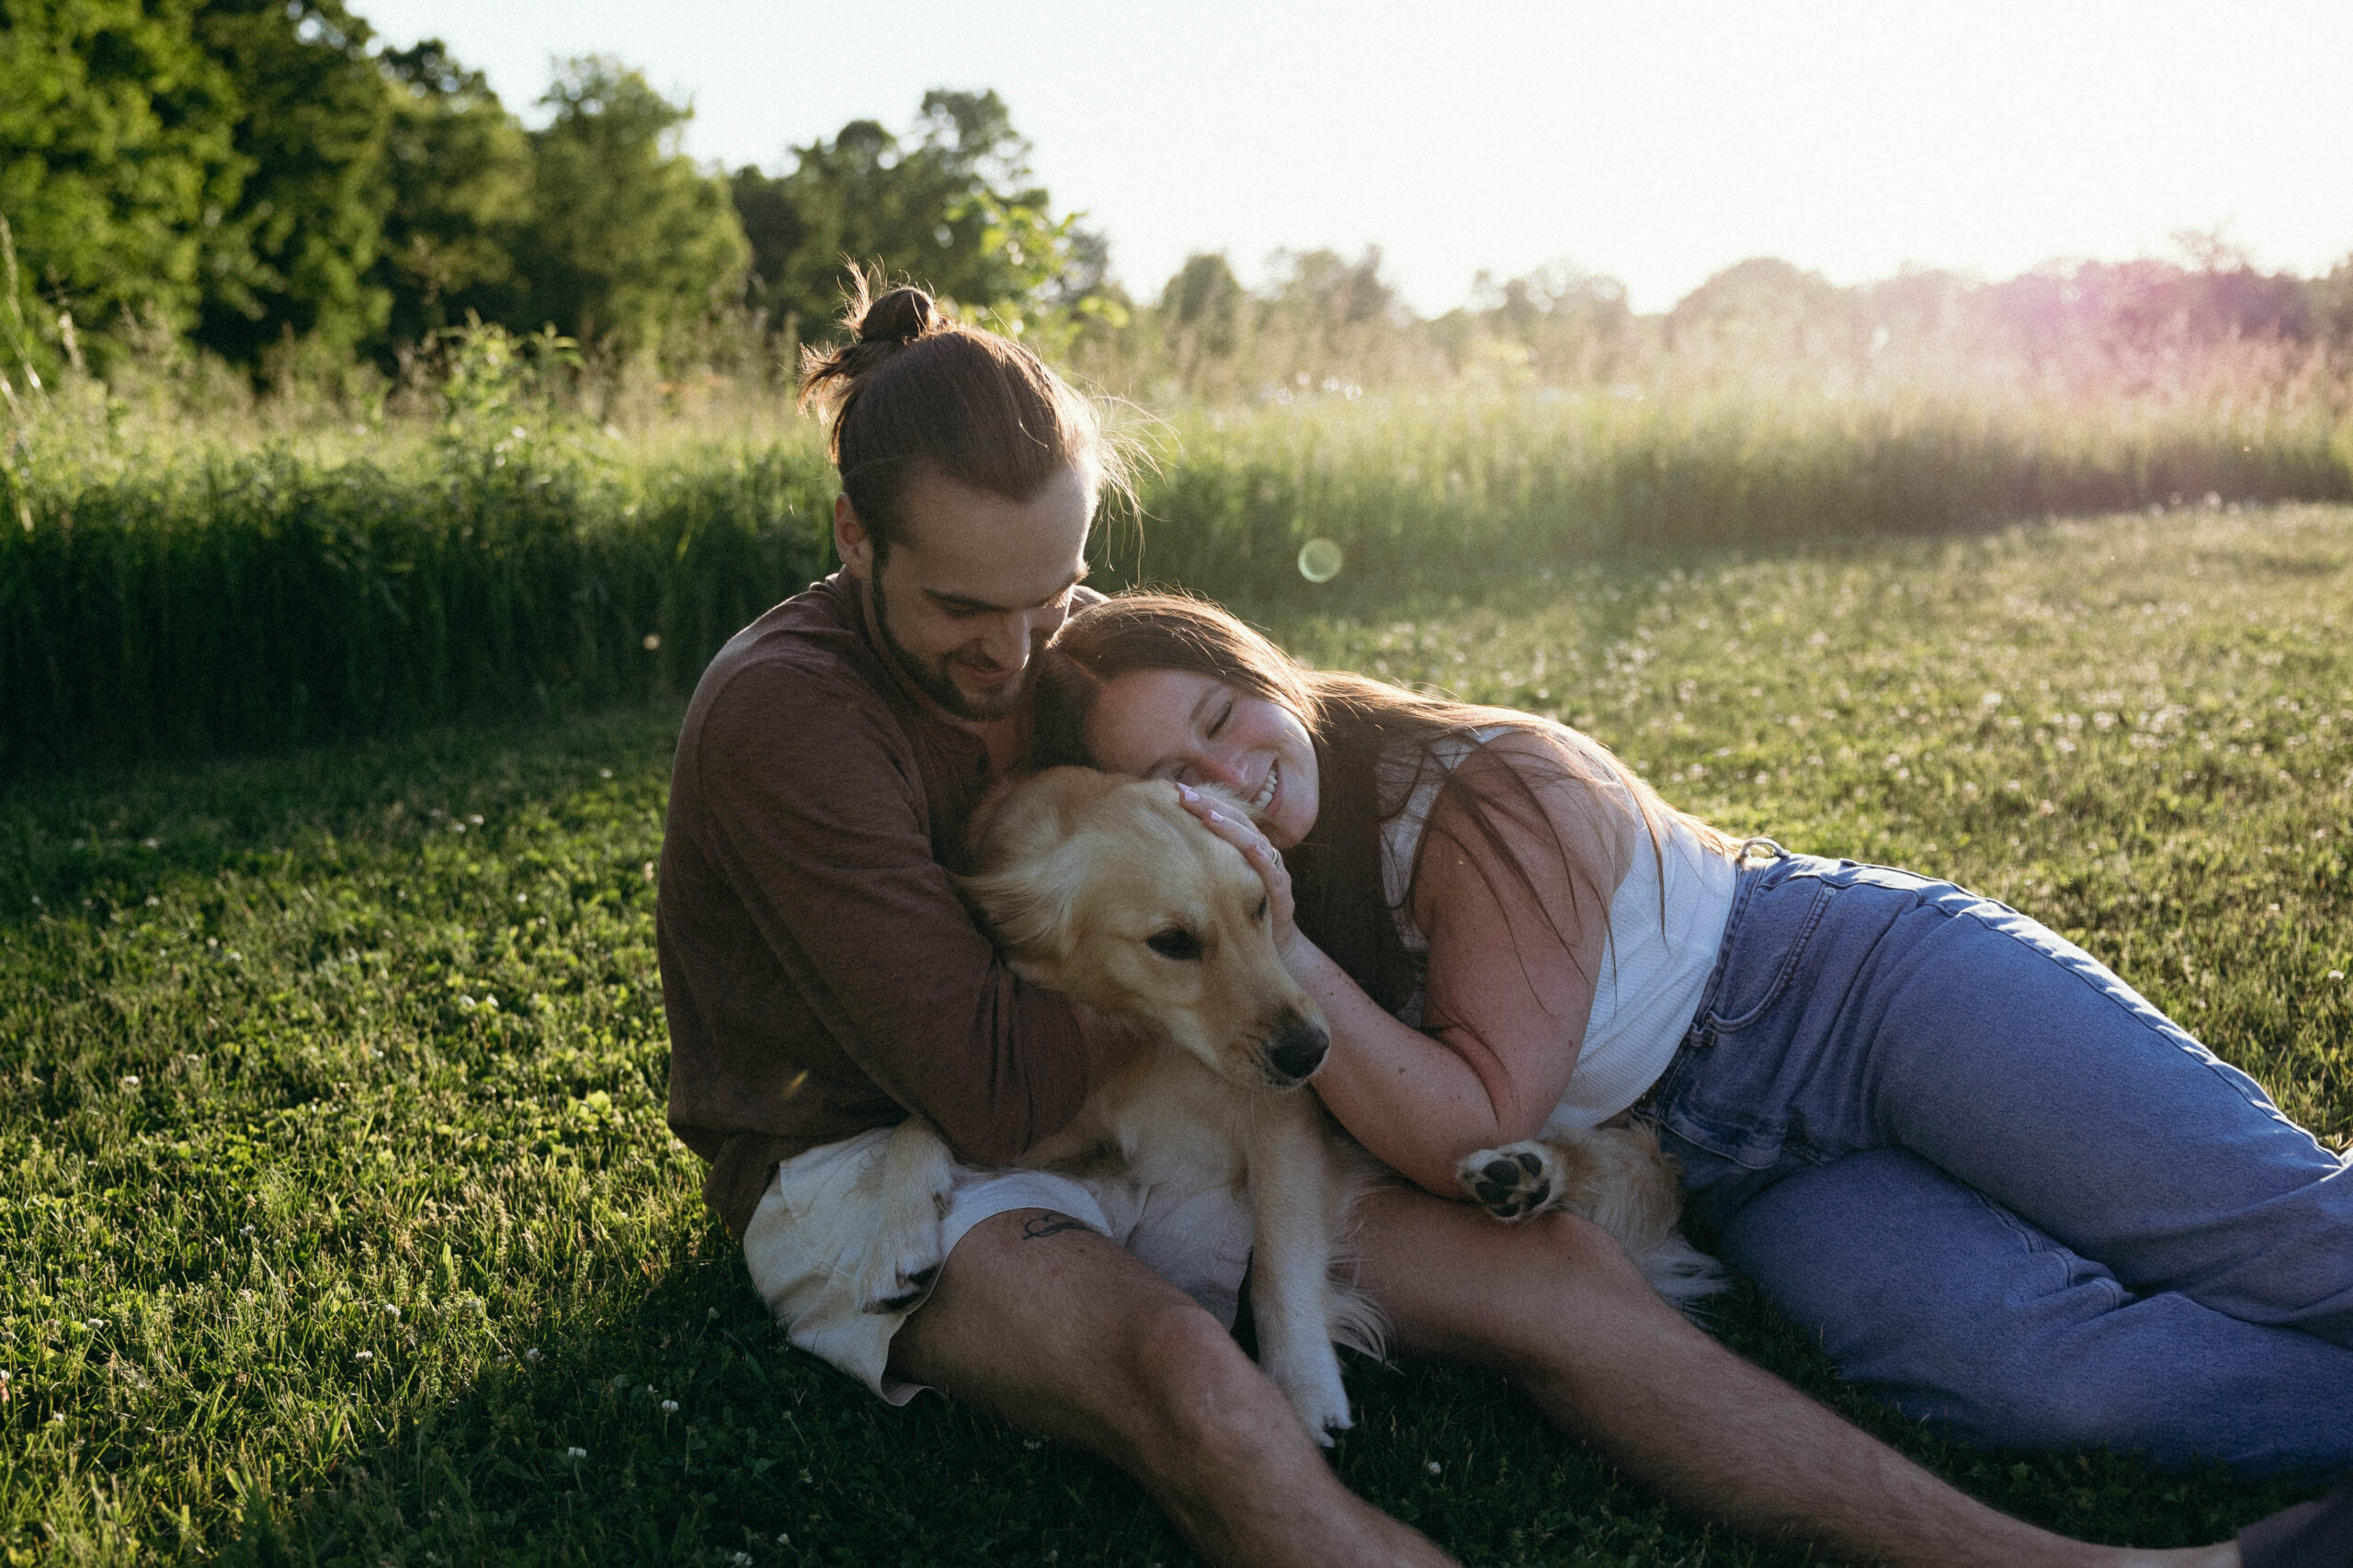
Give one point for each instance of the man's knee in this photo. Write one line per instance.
(1186, 1375)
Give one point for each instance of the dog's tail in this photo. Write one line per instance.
(1683, 1274)
(1356, 1321)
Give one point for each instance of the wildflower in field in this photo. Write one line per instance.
(742, 1559)
(575, 1453)
(131, 1080)
(392, 1311)
(604, 773)
(367, 1356)
(1434, 1467)
(533, 1354)
(669, 1407)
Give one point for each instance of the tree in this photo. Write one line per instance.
(953, 206)
(293, 257)
(1201, 306)
(116, 158)
(459, 167)
(629, 240)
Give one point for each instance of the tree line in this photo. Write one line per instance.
(266, 181)
(246, 175)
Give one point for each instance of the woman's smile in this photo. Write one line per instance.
(1196, 728)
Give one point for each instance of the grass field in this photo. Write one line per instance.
(344, 1227)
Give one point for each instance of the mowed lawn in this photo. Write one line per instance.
(342, 1225)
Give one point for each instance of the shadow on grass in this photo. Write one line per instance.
(770, 1458)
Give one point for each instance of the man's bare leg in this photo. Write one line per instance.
(1043, 1321)
(1554, 1303)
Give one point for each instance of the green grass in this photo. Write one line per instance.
(255, 1093)
(162, 595)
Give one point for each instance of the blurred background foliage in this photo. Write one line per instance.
(336, 399)
(265, 187)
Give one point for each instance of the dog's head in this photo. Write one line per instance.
(1107, 890)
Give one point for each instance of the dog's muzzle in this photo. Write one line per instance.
(1296, 1051)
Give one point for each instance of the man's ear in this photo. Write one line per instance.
(851, 542)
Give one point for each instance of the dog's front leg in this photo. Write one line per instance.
(1290, 1265)
(917, 1177)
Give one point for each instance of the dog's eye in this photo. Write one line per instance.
(1262, 909)
(1174, 943)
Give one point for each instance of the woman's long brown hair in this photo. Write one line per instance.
(1355, 724)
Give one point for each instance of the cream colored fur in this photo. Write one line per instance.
(1108, 891)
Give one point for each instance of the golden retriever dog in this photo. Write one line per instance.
(1107, 889)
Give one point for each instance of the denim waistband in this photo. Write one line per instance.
(1763, 863)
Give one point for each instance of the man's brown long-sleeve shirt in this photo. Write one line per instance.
(819, 972)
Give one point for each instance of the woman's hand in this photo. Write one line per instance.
(1228, 822)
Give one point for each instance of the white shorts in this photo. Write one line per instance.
(809, 1236)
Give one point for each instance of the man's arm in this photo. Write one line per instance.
(819, 827)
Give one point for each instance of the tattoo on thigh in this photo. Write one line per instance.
(1041, 1225)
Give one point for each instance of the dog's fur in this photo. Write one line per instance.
(1110, 891)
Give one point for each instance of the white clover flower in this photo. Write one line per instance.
(604, 773)
(575, 1453)
(131, 1080)
(1434, 1467)
(669, 1407)
(533, 1354)
(392, 1311)
(741, 1560)
(367, 1356)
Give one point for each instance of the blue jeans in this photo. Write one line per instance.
(2007, 1194)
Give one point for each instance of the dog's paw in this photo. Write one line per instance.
(1313, 1387)
(1512, 1182)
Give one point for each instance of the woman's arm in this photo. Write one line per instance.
(1511, 972)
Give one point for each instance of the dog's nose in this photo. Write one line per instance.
(1296, 1050)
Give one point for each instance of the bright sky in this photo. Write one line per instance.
(1655, 142)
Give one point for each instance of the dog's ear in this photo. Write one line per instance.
(1021, 818)
(1029, 876)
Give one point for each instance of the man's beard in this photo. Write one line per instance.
(934, 681)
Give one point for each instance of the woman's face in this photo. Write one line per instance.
(1196, 728)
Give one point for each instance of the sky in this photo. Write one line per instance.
(1657, 142)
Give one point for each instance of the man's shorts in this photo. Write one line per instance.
(807, 1237)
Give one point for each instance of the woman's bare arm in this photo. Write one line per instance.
(1511, 975)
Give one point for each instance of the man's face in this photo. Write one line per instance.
(973, 586)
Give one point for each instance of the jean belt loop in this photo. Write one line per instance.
(1761, 848)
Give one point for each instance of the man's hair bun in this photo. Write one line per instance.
(899, 316)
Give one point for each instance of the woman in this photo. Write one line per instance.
(2011, 1197)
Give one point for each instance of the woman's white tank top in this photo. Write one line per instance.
(1666, 922)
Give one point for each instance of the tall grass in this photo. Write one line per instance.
(175, 594)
